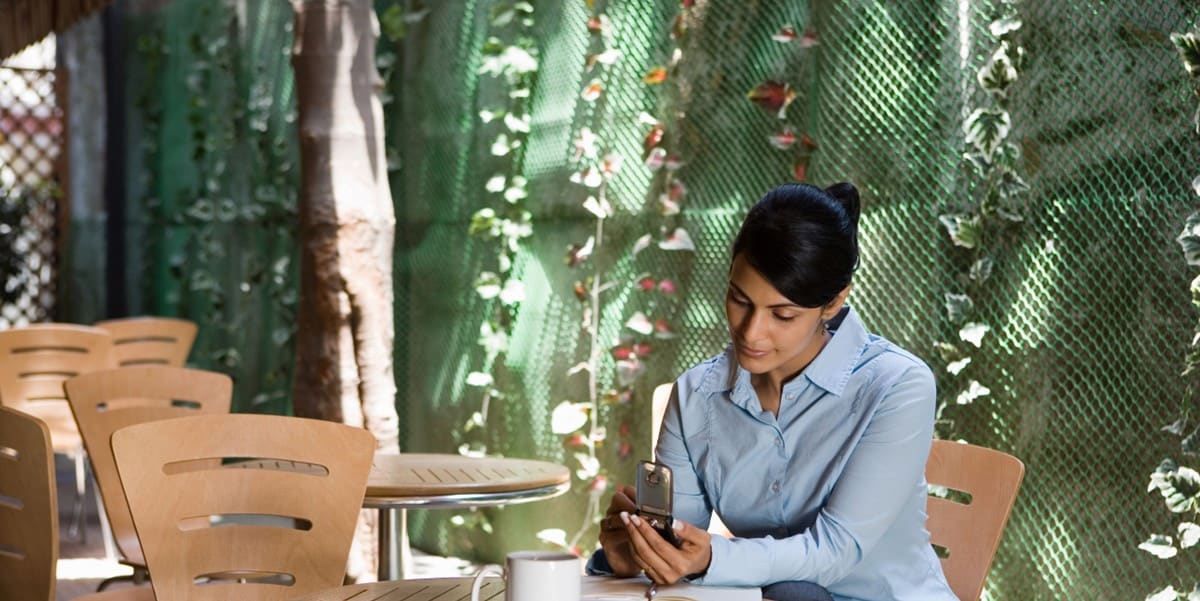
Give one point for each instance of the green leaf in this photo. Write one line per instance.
(1160, 546)
(1191, 444)
(1189, 535)
(998, 73)
(981, 269)
(1188, 45)
(1004, 26)
(1179, 485)
(391, 22)
(1189, 239)
(964, 229)
(958, 307)
(985, 129)
(1176, 427)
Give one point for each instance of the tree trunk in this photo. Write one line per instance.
(345, 331)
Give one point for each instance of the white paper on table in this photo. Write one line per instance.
(605, 588)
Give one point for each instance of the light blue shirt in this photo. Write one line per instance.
(832, 491)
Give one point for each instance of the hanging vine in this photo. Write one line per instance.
(218, 198)
(1179, 485)
(510, 57)
(980, 228)
(775, 96)
(611, 398)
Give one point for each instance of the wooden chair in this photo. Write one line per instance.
(171, 482)
(29, 515)
(150, 340)
(107, 400)
(34, 362)
(970, 532)
(28, 508)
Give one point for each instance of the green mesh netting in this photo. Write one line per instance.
(1089, 305)
(213, 177)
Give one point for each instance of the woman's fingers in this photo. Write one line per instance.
(659, 558)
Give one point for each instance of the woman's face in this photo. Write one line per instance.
(771, 334)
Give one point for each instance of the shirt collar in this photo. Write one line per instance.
(830, 370)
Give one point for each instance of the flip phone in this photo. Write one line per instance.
(654, 497)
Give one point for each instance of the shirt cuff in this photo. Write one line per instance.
(719, 548)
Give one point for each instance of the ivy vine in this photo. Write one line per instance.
(1179, 485)
(982, 226)
(253, 128)
(585, 425)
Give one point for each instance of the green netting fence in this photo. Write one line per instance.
(1088, 305)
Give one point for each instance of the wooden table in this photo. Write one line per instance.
(432, 481)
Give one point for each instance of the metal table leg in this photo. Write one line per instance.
(395, 554)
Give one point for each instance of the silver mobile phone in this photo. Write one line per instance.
(654, 496)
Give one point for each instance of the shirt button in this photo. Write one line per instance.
(779, 442)
(775, 486)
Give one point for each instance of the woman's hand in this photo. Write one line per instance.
(614, 537)
(661, 561)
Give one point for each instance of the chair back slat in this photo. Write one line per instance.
(150, 340)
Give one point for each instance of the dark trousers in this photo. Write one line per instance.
(795, 591)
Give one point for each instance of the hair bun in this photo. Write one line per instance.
(847, 195)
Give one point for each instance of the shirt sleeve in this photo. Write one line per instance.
(690, 503)
(878, 480)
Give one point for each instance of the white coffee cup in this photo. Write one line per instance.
(535, 576)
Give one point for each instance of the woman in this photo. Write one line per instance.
(808, 436)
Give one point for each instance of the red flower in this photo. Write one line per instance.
(624, 428)
(800, 170)
(646, 283)
(600, 483)
(581, 292)
(653, 138)
(599, 24)
(784, 139)
(667, 286)
(624, 450)
(642, 349)
(655, 76)
(773, 96)
(786, 34)
(676, 191)
(661, 325)
(576, 440)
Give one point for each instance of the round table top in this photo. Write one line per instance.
(420, 479)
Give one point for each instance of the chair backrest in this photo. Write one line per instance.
(171, 482)
(970, 532)
(108, 400)
(150, 340)
(28, 508)
(34, 362)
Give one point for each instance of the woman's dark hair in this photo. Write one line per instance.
(803, 240)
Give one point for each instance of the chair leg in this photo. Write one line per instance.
(110, 543)
(77, 529)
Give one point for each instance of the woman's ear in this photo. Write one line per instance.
(831, 309)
